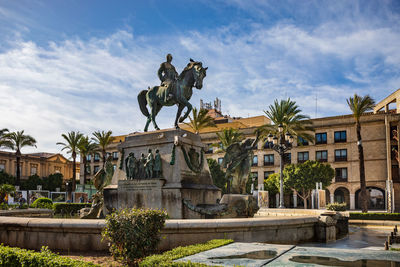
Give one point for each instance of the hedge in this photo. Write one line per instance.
(69, 208)
(337, 206)
(12, 256)
(42, 203)
(374, 216)
(167, 258)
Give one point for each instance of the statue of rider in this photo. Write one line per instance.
(168, 75)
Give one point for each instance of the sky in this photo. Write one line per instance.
(79, 65)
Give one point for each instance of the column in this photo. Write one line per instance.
(352, 202)
(277, 200)
(294, 200)
(312, 198)
(332, 197)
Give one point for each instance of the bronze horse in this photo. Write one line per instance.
(191, 76)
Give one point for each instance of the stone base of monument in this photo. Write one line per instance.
(239, 206)
(185, 175)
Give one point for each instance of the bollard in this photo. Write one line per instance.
(395, 229)
(386, 245)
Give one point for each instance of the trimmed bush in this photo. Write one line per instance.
(133, 233)
(336, 206)
(12, 256)
(167, 258)
(69, 208)
(4, 206)
(375, 216)
(42, 203)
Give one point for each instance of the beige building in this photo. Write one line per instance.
(42, 164)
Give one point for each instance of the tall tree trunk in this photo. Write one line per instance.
(84, 171)
(18, 154)
(73, 171)
(364, 200)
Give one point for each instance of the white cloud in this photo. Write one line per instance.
(92, 85)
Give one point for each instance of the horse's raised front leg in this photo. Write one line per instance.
(189, 108)
(178, 114)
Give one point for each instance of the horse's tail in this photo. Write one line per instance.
(143, 102)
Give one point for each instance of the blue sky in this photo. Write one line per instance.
(79, 65)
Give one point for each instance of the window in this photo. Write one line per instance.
(321, 156)
(320, 138)
(267, 174)
(301, 141)
(88, 158)
(268, 159)
(287, 158)
(393, 132)
(96, 157)
(254, 176)
(341, 155)
(2, 165)
(87, 169)
(115, 155)
(220, 161)
(114, 167)
(209, 149)
(341, 175)
(393, 151)
(96, 169)
(302, 157)
(340, 137)
(267, 144)
(34, 168)
(255, 160)
(395, 173)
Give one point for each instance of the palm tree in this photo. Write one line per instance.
(86, 147)
(288, 114)
(200, 120)
(102, 140)
(359, 105)
(2, 133)
(72, 141)
(286, 118)
(227, 137)
(16, 141)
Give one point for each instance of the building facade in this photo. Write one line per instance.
(95, 161)
(42, 164)
(335, 143)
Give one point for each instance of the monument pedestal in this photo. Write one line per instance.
(185, 175)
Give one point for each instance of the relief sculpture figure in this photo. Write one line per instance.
(149, 165)
(237, 160)
(157, 164)
(141, 168)
(131, 166)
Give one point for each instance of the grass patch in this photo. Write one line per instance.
(167, 258)
(375, 216)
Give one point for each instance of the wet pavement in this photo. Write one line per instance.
(362, 247)
(359, 237)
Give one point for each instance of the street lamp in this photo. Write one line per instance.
(280, 144)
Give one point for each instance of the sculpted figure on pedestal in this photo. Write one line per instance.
(149, 165)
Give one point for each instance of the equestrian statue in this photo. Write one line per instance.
(174, 90)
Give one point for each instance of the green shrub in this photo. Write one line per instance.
(167, 258)
(12, 256)
(69, 208)
(42, 203)
(133, 233)
(375, 216)
(337, 206)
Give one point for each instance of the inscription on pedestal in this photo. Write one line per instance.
(140, 185)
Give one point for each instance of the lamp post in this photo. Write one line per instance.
(281, 144)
